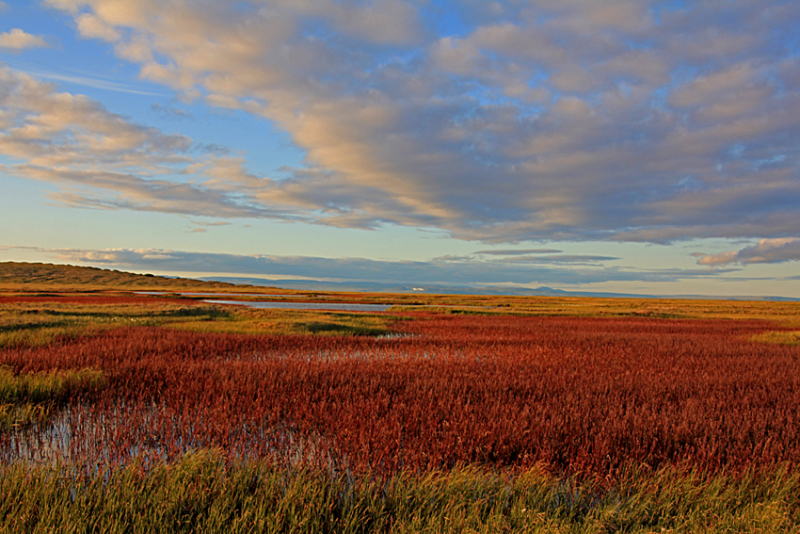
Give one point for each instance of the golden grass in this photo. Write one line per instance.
(40, 323)
(16, 276)
(287, 321)
(200, 493)
(32, 397)
(43, 323)
(785, 313)
(782, 337)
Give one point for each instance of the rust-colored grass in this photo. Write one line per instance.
(575, 395)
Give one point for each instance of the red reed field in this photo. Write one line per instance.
(572, 395)
(143, 413)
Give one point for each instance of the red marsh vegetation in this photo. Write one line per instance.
(575, 395)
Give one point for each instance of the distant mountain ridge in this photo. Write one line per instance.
(36, 276)
(318, 285)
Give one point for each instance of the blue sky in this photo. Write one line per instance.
(615, 145)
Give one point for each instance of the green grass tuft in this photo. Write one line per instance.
(29, 398)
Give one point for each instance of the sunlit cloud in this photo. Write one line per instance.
(16, 39)
(102, 160)
(765, 251)
(622, 120)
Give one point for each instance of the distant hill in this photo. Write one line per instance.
(45, 275)
(426, 289)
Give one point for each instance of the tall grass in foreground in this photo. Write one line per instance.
(453, 424)
(202, 493)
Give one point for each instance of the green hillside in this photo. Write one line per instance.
(31, 276)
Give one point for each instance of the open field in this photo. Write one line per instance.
(502, 414)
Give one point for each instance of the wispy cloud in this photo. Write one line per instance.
(170, 112)
(102, 160)
(583, 259)
(531, 256)
(765, 251)
(518, 252)
(202, 227)
(91, 81)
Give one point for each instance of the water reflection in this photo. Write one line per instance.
(119, 432)
(338, 306)
(202, 294)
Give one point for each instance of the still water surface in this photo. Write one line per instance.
(340, 306)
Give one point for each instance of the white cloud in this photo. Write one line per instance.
(102, 160)
(91, 26)
(53, 128)
(618, 119)
(16, 39)
(766, 251)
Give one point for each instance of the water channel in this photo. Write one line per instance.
(338, 306)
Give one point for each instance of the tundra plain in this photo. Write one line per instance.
(130, 412)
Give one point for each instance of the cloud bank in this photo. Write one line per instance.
(465, 271)
(766, 251)
(618, 119)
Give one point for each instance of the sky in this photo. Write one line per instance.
(635, 146)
